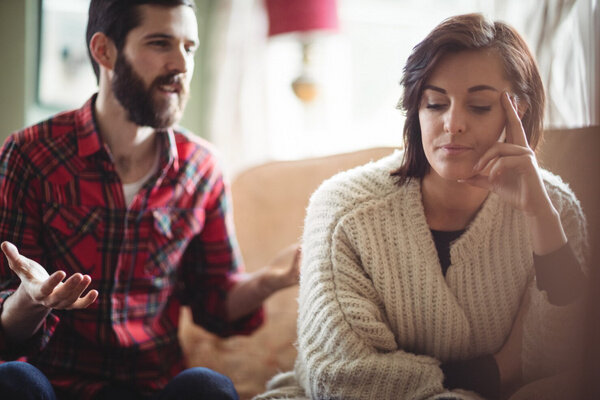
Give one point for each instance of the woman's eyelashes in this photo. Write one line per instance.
(435, 106)
(479, 109)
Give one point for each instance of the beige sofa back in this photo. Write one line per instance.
(574, 154)
(269, 202)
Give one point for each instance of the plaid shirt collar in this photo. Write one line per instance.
(89, 141)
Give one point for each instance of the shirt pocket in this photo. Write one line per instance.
(173, 229)
(71, 238)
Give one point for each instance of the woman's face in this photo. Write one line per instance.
(460, 112)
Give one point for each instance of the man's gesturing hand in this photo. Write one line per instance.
(49, 290)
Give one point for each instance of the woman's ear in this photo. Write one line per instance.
(103, 50)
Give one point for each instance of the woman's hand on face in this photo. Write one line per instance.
(510, 169)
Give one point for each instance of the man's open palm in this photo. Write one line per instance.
(49, 290)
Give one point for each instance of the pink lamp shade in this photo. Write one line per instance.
(301, 15)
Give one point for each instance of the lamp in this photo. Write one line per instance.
(304, 17)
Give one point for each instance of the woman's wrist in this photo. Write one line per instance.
(547, 234)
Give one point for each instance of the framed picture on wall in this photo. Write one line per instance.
(65, 75)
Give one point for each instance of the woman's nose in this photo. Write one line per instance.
(455, 120)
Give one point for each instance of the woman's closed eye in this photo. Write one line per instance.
(481, 109)
(435, 106)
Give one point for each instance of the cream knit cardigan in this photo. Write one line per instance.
(376, 315)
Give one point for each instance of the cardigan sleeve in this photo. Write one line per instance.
(346, 348)
(552, 333)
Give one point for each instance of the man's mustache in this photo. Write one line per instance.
(171, 79)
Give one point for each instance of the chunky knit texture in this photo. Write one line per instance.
(376, 314)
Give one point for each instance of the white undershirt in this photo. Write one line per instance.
(131, 189)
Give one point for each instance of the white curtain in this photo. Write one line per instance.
(565, 37)
(235, 76)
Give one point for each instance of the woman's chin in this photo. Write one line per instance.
(456, 175)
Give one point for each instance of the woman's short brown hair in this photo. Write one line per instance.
(455, 34)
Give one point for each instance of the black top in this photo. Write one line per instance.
(443, 240)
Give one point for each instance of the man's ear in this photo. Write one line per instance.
(103, 50)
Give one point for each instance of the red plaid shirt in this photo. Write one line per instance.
(62, 204)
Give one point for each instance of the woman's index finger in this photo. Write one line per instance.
(515, 133)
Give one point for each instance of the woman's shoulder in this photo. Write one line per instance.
(561, 195)
(348, 189)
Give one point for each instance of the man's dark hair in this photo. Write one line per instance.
(115, 18)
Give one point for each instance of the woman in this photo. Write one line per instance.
(418, 270)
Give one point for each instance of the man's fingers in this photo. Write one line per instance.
(69, 292)
(85, 301)
(10, 250)
(53, 292)
(25, 268)
(52, 282)
(12, 255)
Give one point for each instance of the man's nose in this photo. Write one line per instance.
(180, 61)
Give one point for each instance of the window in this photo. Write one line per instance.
(65, 75)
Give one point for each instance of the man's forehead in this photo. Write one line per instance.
(178, 21)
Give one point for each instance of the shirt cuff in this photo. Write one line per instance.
(559, 275)
(10, 350)
(479, 374)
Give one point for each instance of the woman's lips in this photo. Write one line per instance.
(454, 148)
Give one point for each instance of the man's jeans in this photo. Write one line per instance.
(23, 381)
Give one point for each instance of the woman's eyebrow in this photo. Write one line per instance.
(470, 90)
(435, 88)
(481, 87)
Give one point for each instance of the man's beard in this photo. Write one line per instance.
(141, 106)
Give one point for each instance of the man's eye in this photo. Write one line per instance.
(159, 43)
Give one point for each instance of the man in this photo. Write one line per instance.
(120, 219)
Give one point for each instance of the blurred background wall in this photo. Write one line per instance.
(243, 98)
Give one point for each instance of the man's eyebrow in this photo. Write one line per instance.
(158, 35)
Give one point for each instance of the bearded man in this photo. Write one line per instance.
(112, 218)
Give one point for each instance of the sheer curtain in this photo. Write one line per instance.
(233, 80)
(252, 115)
(564, 35)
